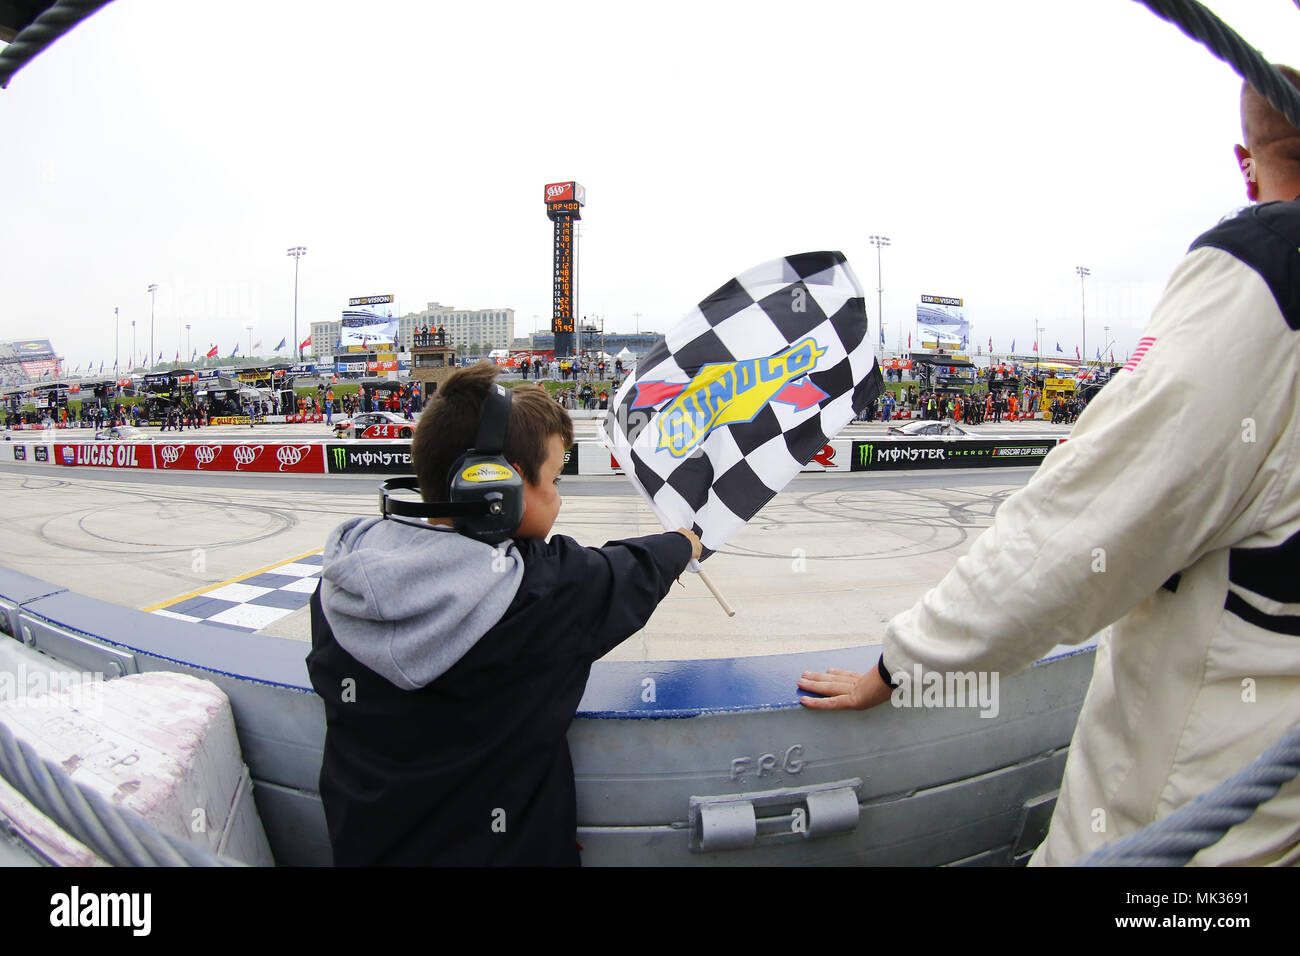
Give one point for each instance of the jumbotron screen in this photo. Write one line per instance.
(29, 350)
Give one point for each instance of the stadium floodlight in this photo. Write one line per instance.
(153, 297)
(1083, 319)
(297, 252)
(879, 242)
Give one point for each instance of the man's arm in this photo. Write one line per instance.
(1160, 469)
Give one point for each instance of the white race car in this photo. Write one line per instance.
(374, 425)
(947, 427)
(122, 433)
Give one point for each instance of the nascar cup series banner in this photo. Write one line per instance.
(740, 394)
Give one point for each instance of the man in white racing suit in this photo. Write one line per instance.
(1173, 511)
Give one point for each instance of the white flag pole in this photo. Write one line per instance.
(731, 611)
(630, 474)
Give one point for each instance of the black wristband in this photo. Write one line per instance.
(884, 671)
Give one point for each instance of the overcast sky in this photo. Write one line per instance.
(998, 145)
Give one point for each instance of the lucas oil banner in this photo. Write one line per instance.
(106, 454)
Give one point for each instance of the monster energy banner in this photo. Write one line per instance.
(369, 458)
(906, 455)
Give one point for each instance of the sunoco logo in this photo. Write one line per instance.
(245, 455)
(170, 454)
(206, 454)
(341, 459)
(290, 455)
(732, 392)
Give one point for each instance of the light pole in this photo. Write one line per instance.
(1083, 317)
(117, 325)
(297, 252)
(132, 343)
(153, 297)
(187, 338)
(879, 242)
(1038, 348)
(249, 353)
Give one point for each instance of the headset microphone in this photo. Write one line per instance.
(487, 494)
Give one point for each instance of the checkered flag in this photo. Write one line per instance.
(740, 394)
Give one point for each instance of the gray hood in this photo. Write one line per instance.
(410, 601)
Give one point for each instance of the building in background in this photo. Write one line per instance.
(486, 328)
(324, 339)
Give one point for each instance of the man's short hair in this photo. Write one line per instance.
(449, 426)
(1269, 136)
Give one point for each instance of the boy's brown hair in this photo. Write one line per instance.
(449, 426)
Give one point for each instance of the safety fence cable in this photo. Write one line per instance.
(1225, 43)
(41, 32)
(116, 834)
(1175, 839)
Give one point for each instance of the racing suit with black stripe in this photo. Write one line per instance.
(1173, 513)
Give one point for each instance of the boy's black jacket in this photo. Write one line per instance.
(474, 768)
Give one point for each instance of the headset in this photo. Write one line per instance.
(487, 494)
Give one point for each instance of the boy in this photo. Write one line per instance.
(451, 670)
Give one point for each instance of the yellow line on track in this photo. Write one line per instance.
(212, 587)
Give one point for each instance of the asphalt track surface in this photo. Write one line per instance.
(824, 565)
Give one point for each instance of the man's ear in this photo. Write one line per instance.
(1247, 164)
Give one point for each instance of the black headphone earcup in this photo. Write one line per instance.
(488, 480)
(487, 494)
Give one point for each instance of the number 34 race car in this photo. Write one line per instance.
(374, 425)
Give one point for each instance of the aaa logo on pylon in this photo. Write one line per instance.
(729, 393)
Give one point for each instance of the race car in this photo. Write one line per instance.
(122, 433)
(374, 425)
(946, 427)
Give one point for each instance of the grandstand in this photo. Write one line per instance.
(28, 360)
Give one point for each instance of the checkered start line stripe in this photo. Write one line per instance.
(251, 601)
